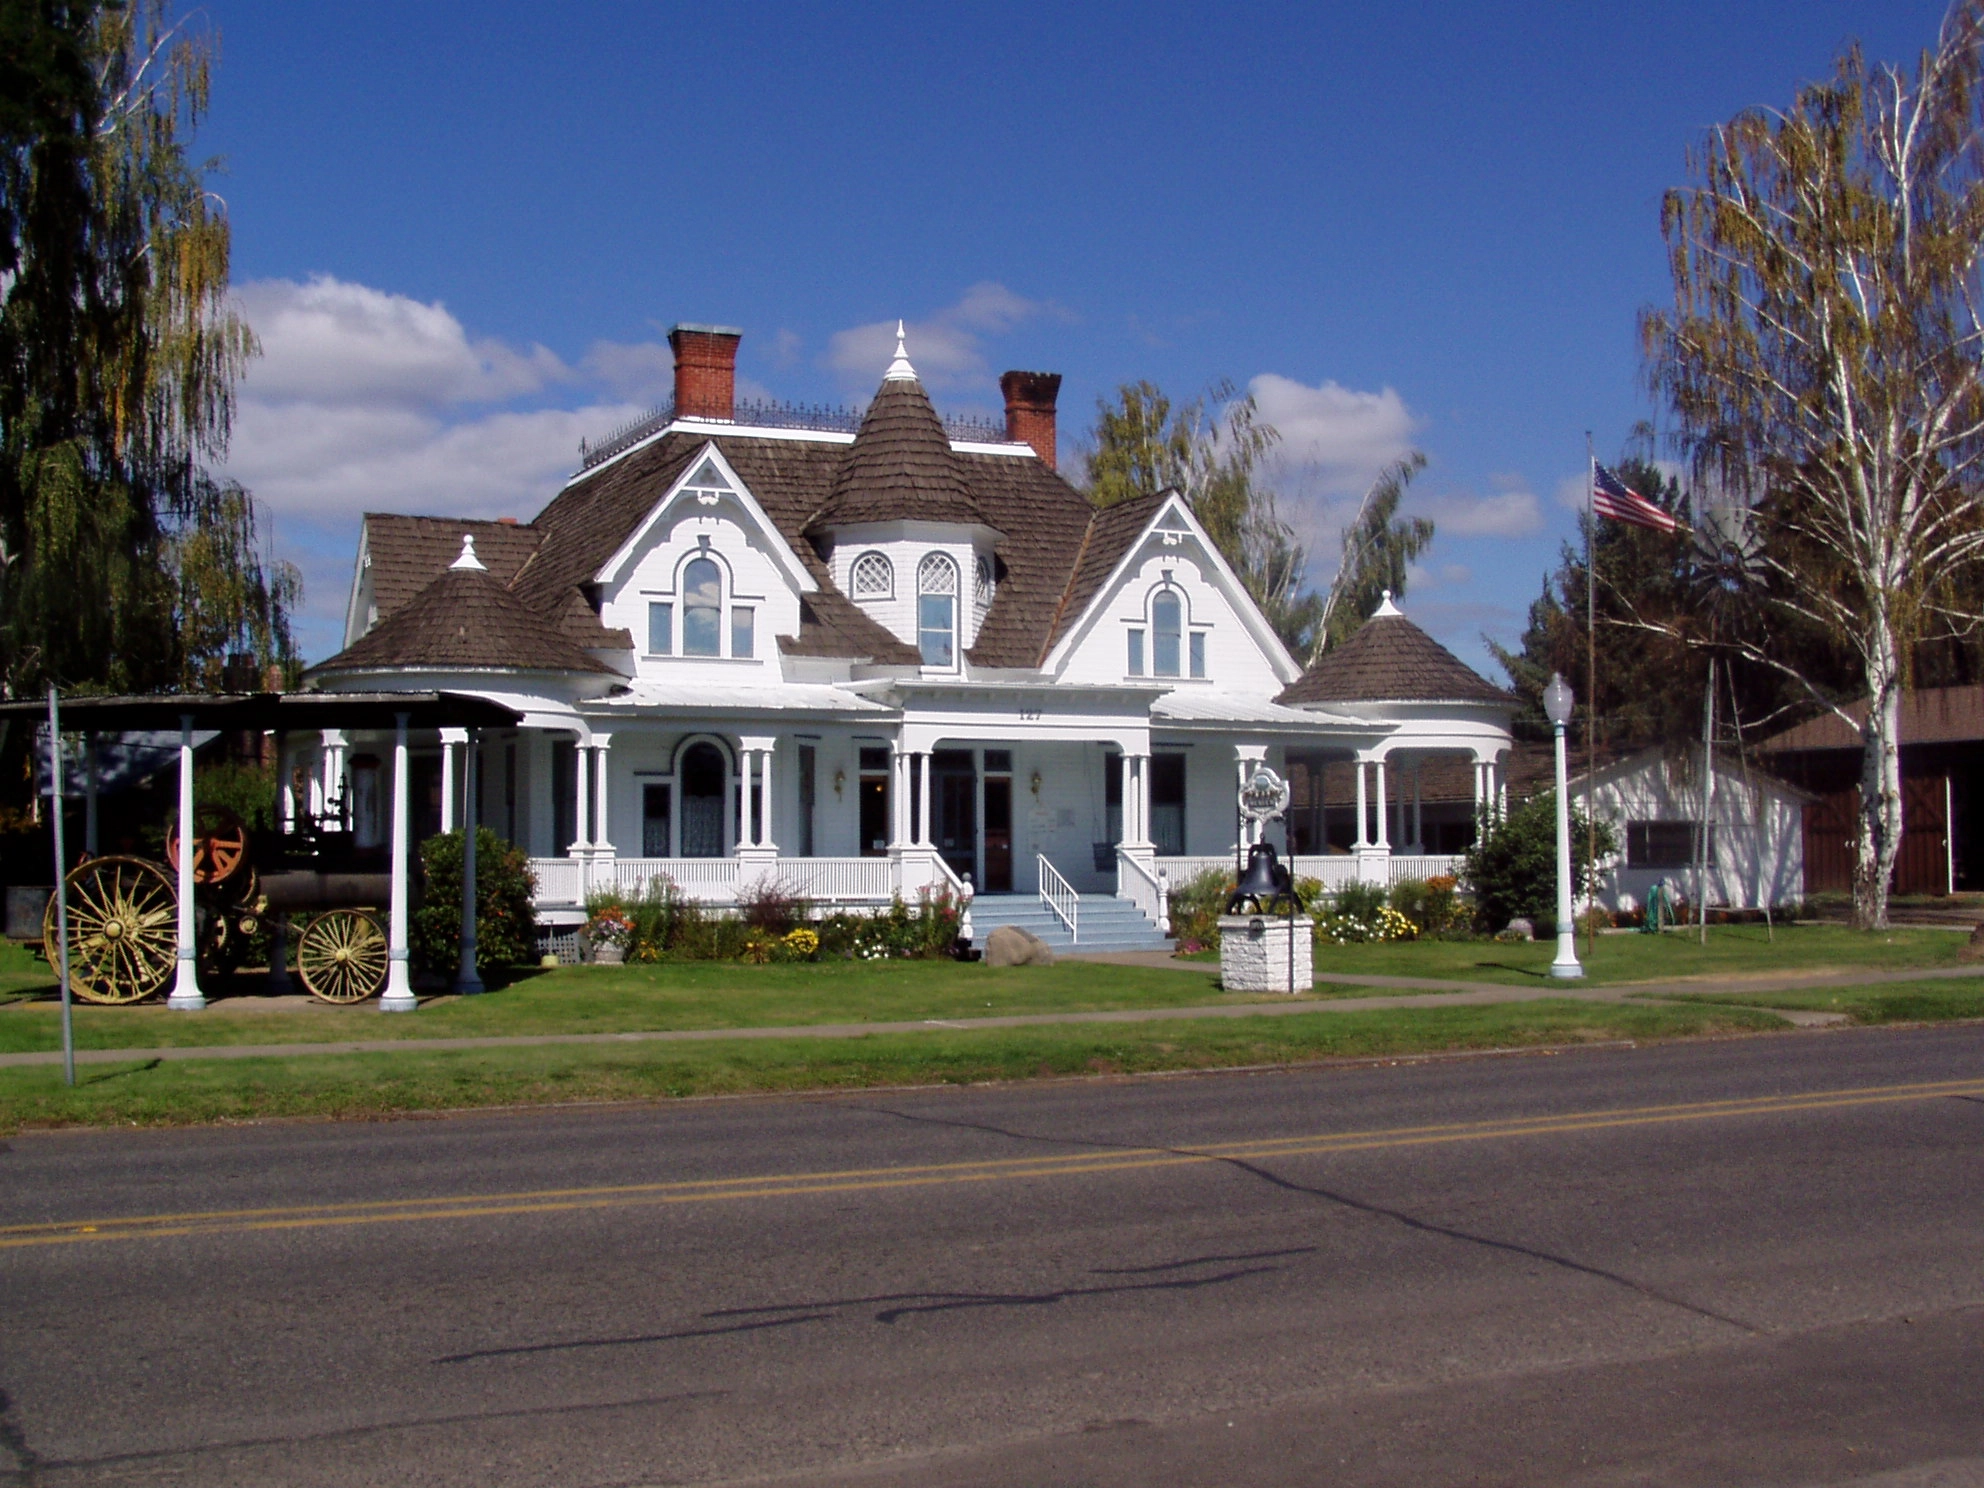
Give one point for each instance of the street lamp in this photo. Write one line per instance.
(1557, 707)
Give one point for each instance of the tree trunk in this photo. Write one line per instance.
(1878, 840)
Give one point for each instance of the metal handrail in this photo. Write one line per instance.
(1148, 891)
(1054, 890)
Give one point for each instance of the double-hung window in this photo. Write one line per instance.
(1167, 626)
(937, 610)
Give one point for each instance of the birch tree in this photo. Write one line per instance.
(1822, 363)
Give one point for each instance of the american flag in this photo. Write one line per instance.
(1612, 497)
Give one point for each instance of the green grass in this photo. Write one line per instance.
(1905, 1002)
(156, 1092)
(1732, 950)
(679, 995)
(21, 972)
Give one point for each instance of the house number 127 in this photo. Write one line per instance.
(1029, 715)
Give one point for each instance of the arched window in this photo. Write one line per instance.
(874, 576)
(702, 608)
(937, 610)
(1167, 624)
(701, 774)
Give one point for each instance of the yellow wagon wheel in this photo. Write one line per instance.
(341, 956)
(123, 930)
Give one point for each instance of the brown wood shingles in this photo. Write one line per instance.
(900, 466)
(466, 619)
(1392, 660)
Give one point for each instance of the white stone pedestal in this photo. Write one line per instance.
(1257, 951)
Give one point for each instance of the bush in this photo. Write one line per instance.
(772, 906)
(505, 922)
(1433, 906)
(1357, 900)
(1195, 908)
(1513, 867)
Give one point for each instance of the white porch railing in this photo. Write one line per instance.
(839, 880)
(566, 881)
(559, 880)
(1147, 890)
(1058, 896)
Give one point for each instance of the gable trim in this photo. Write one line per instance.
(788, 561)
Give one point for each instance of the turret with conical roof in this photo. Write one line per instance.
(900, 464)
(1391, 660)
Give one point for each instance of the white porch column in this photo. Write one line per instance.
(1363, 839)
(923, 799)
(1418, 812)
(467, 980)
(1480, 790)
(334, 803)
(756, 839)
(450, 738)
(1246, 757)
(186, 993)
(1384, 843)
(581, 800)
(602, 835)
(898, 801)
(747, 829)
(399, 996)
(1501, 777)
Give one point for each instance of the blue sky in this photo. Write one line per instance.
(463, 232)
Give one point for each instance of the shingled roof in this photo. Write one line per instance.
(465, 620)
(1392, 660)
(1053, 554)
(900, 465)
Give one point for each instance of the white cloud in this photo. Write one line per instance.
(643, 371)
(326, 341)
(1509, 513)
(945, 347)
(1334, 439)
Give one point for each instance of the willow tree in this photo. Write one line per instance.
(119, 353)
(1822, 362)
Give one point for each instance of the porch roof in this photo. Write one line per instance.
(703, 698)
(1191, 709)
(270, 710)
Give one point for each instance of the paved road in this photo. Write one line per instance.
(1744, 1262)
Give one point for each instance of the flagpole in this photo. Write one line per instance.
(1590, 682)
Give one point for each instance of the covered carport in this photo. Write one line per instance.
(282, 713)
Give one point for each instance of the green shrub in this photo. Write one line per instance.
(505, 922)
(1358, 900)
(1513, 867)
(1433, 906)
(1195, 908)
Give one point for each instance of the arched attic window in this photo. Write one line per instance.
(937, 610)
(702, 608)
(1167, 632)
(873, 577)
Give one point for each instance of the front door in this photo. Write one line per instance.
(954, 817)
(998, 834)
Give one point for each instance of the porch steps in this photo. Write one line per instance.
(1106, 923)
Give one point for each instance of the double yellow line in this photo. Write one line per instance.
(993, 1170)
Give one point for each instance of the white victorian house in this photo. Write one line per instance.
(875, 656)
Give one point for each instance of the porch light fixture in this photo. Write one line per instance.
(1036, 782)
(1557, 701)
(840, 781)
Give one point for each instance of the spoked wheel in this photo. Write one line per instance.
(220, 844)
(123, 930)
(341, 956)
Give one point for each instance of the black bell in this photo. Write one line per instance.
(1265, 887)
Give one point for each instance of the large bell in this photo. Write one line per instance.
(1265, 888)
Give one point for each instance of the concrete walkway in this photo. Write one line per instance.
(1445, 994)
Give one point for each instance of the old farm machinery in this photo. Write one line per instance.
(124, 912)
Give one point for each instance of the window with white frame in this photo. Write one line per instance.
(873, 577)
(937, 610)
(702, 608)
(1198, 653)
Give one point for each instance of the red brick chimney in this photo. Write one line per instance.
(705, 370)
(1030, 410)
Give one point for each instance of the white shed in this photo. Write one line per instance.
(1653, 800)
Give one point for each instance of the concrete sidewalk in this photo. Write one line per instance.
(1445, 994)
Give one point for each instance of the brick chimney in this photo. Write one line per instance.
(1030, 410)
(705, 370)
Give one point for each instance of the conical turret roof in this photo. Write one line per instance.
(465, 619)
(900, 464)
(1391, 660)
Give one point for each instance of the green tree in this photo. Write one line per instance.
(1822, 362)
(1377, 545)
(118, 358)
(1512, 868)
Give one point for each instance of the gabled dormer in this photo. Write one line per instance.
(706, 581)
(1153, 599)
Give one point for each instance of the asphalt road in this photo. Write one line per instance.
(1758, 1261)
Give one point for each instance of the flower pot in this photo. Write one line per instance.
(609, 955)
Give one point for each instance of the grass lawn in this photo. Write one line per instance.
(1732, 950)
(152, 1092)
(1908, 1002)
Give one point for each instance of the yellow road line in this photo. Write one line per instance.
(1114, 1160)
